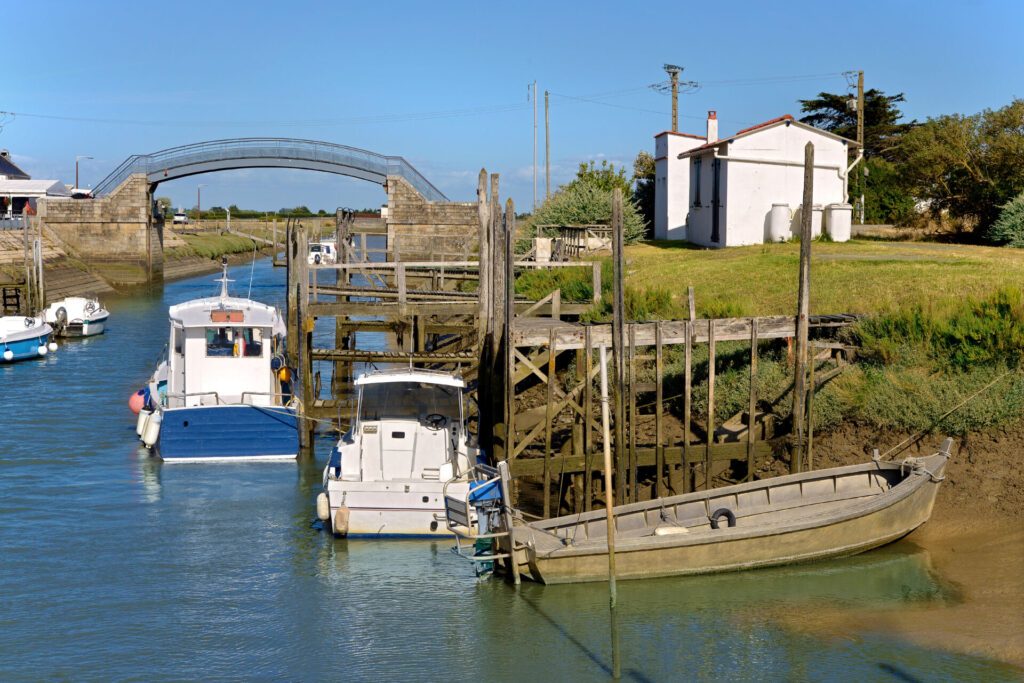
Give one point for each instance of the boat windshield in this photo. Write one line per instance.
(408, 400)
(236, 342)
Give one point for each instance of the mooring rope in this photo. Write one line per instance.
(915, 437)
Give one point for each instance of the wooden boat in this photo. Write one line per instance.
(783, 520)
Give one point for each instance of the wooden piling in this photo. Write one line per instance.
(803, 311)
(619, 341)
(687, 406)
(711, 404)
(549, 418)
(659, 436)
(588, 399)
(752, 406)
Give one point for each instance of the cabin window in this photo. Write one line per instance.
(234, 342)
(408, 401)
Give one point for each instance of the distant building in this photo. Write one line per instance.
(19, 192)
(721, 192)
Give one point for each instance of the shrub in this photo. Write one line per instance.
(1008, 229)
(583, 203)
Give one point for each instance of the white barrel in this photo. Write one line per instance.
(779, 220)
(838, 221)
(152, 432)
(140, 424)
(817, 214)
(323, 507)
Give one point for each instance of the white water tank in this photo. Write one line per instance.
(778, 223)
(817, 214)
(838, 220)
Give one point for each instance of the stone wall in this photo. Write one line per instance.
(429, 230)
(115, 235)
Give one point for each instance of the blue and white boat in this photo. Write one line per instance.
(24, 338)
(223, 393)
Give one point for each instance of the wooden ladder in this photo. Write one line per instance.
(11, 300)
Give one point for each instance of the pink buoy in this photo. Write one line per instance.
(138, 401)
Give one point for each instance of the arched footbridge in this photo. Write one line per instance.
(223, 155)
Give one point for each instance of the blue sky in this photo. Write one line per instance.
(445, 84)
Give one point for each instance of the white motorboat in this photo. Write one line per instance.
(76, 316)
(324, 252)
(224, 392)
(387, 474)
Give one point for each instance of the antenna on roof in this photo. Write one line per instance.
(223, 279)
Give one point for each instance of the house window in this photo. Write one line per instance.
(696, 181)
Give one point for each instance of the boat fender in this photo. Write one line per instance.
(152, 431)
(137, 401)
(316, 259)
(42, 350)
(670, 530)
(723, 512)
(8, 355)
(323, 507)
(140, 424)
(341, 521)
(52, 346)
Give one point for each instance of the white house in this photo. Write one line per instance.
(721, 192)
(670, 207)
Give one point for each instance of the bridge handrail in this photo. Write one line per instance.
(282, 148)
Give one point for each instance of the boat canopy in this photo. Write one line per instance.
(417, 376)
(227, 312)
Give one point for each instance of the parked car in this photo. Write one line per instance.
(180, 219)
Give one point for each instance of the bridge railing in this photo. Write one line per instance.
(270, 148)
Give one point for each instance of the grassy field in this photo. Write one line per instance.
(854, 277)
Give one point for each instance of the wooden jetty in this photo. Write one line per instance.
(530, 365)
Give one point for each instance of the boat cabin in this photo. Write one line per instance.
(220, 352)
(409, 426)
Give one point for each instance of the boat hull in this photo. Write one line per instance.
(835, 530)
(25, 345)
(382, 509)
(234, 433)
(86, 328)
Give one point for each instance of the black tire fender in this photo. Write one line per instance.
(722, 512)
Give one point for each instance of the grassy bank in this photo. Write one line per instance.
(943, 322)
(210, 245)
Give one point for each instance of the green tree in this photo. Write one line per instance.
(604, 177)
(166, 205)
(882, 125)
(967, 166)
(643, 189)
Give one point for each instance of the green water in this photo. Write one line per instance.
(114, 566)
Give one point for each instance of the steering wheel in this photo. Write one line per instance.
(436, 421)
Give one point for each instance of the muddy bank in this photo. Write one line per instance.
(975, 540)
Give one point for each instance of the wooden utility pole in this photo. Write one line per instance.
(547, 146)
(803, 308)
(619, 340)
(535, 146)
(860, 135)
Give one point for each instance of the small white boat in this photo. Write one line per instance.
(223, 393)
(24, 338)
(324, 252)
(387, 474)
(76, 316)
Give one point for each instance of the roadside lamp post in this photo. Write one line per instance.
(77, 159)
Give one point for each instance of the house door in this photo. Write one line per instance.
(716, 198)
